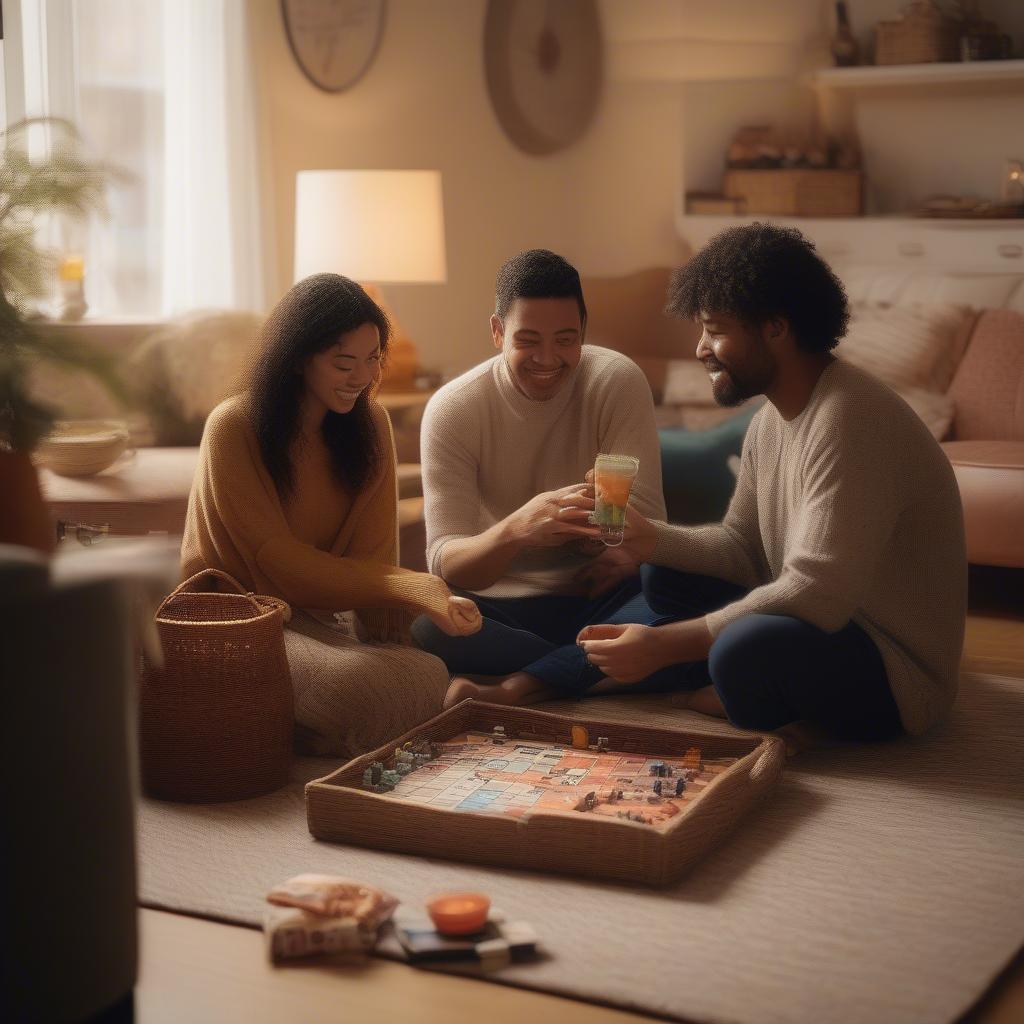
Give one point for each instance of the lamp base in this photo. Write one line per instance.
(403, 357)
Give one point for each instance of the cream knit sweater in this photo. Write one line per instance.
(487, 450)
(849, 511)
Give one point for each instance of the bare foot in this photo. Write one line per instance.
(516, 689)
(800, 736)
(458, 690)
(705, 701)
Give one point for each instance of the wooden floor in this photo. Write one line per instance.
(197, 971)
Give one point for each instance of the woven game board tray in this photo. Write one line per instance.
(340, 809)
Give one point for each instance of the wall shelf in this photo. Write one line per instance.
(1000, 72)
(982, 246)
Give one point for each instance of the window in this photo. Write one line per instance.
(162, 90)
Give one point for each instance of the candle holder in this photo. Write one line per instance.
(459, 913)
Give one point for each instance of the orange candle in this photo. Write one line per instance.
(459, 913)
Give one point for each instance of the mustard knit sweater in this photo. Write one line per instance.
(322, 548)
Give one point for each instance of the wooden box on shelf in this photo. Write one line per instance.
(923, 34)
(796, 192)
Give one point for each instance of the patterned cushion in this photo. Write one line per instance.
(916, 346)
(989, 385)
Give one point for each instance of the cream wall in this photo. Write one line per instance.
(607, 203)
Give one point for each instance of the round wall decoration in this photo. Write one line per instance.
(333, 41)
(544, 62)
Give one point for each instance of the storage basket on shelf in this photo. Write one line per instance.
(923, 34)
(215, 722)
(796, 192)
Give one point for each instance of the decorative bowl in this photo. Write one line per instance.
(83, 447)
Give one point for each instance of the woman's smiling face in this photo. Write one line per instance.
(542, 343)
(336, 377)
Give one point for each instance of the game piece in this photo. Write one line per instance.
(680, 786)
(376, 770)
(657, 787)
(602, 743)
(580, 737)
(691, 759)
(498, 734)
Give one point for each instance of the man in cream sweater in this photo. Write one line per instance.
(505, 449)
(834, 591)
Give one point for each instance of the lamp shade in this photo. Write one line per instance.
(372, 226)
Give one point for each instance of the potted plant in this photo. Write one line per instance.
(63, 181)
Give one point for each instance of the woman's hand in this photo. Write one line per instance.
(457, 617)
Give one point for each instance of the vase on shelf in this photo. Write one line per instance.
(845, 48)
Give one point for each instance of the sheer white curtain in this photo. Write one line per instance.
(164, 90)
(212, 227)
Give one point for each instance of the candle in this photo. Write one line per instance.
(459, 913)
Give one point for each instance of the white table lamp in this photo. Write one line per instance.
(376, 227)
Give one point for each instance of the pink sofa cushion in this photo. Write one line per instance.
(991, 479)
(988, 388)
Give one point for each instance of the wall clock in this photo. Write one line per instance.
(333, 41)
(544, 61)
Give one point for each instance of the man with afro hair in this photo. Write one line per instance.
(833, 593)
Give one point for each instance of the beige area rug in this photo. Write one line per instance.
(880, 883)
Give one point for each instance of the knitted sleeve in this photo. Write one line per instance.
(233, 488)
(731, 550)
(451, 487)
(851, 503)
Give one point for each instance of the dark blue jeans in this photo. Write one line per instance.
(770, 670)
(536, 635)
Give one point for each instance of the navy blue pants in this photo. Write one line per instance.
(536, 635)
(770, 670)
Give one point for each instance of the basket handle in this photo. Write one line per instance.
(230, 585)
(191, 585)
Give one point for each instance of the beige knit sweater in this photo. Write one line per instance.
(849, 511)
(487, 450)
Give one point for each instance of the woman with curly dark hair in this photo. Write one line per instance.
(295, 496)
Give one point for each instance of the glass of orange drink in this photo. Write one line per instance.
(613, 480)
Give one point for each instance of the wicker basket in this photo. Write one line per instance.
(923, 34)
(340, 809)
(215, 723)
(797, 193)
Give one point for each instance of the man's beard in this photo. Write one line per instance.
(726, 389)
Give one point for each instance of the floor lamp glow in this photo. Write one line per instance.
(377, 227)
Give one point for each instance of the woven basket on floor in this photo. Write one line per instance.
(215, 723)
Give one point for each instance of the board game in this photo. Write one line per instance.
(524, 788)
(490, 773)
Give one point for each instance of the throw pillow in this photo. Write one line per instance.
(915, 346)
(935, 410)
